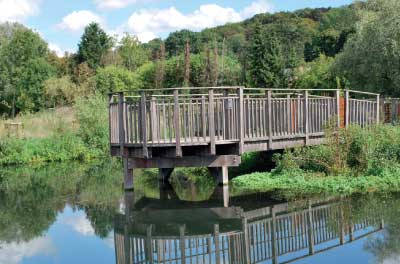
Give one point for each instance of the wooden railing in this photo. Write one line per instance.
(304, 232)
(191, 116)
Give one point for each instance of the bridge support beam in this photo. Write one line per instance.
(128, 176)
(164, 174)
(220, 174)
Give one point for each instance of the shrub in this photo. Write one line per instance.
(92, 116)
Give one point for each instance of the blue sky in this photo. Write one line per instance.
(61, 23)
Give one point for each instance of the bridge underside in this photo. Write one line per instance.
(164, 158)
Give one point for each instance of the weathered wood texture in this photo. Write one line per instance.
(245, 117)
(264, 235)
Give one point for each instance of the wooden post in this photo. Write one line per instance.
(177, 126)
(347, 107)
(274, 245)
(216, 243)
(143, 124)
(220, 174)
(110, 99)
(246, 241)
(341, 224)
(149, 244)
(310, 230)
(182, 243)
(377, 108)
(211, 121)
(241, 120)
(225, 117)
(338, 108)
(269, 99)
(153, 120)
(121, 122)
(306, 117)
(203, 117)
(128, 175)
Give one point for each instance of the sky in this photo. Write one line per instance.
(61, 23)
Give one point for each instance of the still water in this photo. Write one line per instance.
(72, 213)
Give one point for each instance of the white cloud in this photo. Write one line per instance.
(54, 47)
(80, 224)
(78, 20)
(14, 253)
(257, 7)
(114, 4)
(18, 10)
(150, 23)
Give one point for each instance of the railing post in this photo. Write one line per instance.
(121, 122)
(149, 244)
(182, 243)
(203, 117)
(241, 120)
(310, 230)
(306, 117)
(378, 108)
(338, 108)
(143, 123)
(153, 119)
(110, 99)
(269, 99)
(216, 243)
(246, 241)
(177, 124)
(347, 98)
(225, 117)
(211, 120)
(274, 244)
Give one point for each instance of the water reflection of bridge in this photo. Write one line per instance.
(236, 235)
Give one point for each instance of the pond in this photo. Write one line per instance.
(74, 213)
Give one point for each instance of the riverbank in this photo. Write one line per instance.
(355, 160)
(78, 133)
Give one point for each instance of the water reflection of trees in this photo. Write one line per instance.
(31, 198)
(387, 245)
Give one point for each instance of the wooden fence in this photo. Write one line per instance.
(239, 115)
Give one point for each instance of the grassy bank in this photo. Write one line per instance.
(354, 160)
(76, 133)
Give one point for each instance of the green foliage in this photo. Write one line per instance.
(93, 46)
(371, 57)
(54, 148)
(132, 53)
(316, 74)
(92, 116)
(62, 91)
(23, 69)
(114, 78)
(266, 64)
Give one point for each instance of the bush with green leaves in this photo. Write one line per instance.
(92, 116)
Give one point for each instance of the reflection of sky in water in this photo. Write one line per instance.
(71, 239)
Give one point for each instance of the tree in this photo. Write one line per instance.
(132, 52)
(114, 78)
(93, 46)
(371, 57)
(186, 76)
(316, 74)
(160, 67)
(176, 42)
(266, 64)
(61, 91)
(23, 69)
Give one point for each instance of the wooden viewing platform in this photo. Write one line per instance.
(212, 126)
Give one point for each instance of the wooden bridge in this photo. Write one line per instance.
(211, 127)
(278, 233)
